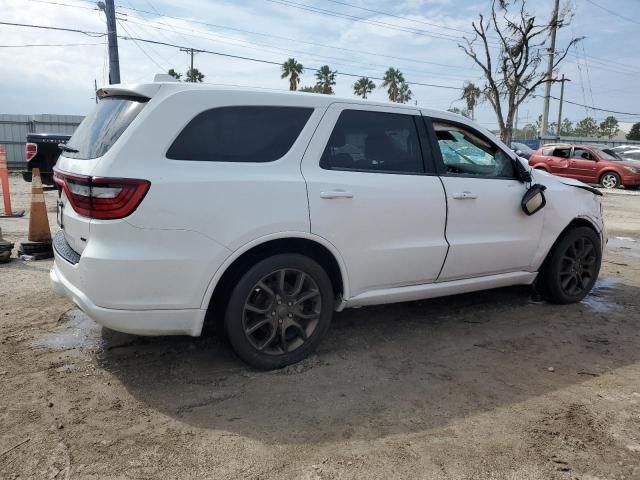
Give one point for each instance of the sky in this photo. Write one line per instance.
(360, 37)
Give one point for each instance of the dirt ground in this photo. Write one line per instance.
(493, 385)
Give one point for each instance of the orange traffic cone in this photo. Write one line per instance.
(39, 244)
(4, 180)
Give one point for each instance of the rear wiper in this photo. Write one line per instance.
(67, 148)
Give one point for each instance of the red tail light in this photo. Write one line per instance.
(102, 198)
(30, 151)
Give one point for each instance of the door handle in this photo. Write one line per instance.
(466, 195)
(336, 194)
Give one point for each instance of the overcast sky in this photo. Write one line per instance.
(604, 69)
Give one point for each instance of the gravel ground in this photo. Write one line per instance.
(493, 385)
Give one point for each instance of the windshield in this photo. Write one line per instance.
(607, 156)
(522, 147)
(103, 126)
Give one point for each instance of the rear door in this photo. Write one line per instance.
(487, 230)
(583, 165)
(371, 195)
(559, 161)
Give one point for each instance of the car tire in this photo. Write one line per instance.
(572, 269)
(279, 311)
(610, 180)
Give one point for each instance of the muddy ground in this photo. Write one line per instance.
(494, 385)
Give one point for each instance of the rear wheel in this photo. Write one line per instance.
(572, 269)
(279, 311)
(610, 180)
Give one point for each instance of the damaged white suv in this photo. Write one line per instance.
(275, 210)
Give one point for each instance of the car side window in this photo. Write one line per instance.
(240, 134)
(582, 154)
(374, 142)
(547, 151)
(467, 153)
(561, 152)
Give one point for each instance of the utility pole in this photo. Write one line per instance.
(191, 52)
(95, 89)
(114, 61)
(547, 87)
(560, 107)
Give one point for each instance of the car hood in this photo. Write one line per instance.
(578, 184)
(631, 163)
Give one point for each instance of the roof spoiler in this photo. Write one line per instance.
(144, 91)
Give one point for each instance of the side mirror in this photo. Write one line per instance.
(534, 201)
(521, 172)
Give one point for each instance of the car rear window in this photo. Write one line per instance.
(103, 126)
(240, 134)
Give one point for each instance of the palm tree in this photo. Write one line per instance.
(326, 79)
(292, 69)
(404, 93)
(194, 76)
(363, 87)
(471, 94)
(174, 74)
(392, 79)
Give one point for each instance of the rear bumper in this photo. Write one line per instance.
(138, 322)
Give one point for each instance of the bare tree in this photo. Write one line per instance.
(515, 73)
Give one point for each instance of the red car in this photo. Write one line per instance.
(588, 163)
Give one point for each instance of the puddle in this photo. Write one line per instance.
(599, 299)
(625, 245)
(77, 331)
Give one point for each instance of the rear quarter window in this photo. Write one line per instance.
(240, 134)
(100, 130)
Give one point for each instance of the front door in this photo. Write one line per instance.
(487, 230)
(371, 196)
(583, 165)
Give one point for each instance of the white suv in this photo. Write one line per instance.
(276, 209)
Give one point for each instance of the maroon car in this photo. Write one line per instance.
(588, 163)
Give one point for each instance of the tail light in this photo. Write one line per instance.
(30, 151)
(102, 198)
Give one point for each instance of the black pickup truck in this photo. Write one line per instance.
(42, 152)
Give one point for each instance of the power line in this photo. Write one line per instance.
(615, 14)
(52, 45)
(44, 27)
(335, 60)
(139, 46)
(596, 108)
(370, 10)
(331, 13)
(296, 40)
(64, 4)
(211, 52)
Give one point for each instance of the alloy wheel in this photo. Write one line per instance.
(578, 268)
(282, 311)
(609, 180)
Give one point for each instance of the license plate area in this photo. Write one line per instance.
(59, 214)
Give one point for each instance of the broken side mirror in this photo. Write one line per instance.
(521, 171)
(534, 201)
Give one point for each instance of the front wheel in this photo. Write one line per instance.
(279, 311)
(610, 180)
(572, 269)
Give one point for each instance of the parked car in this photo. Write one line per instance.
(587, 163)
(522, 150)
(624, 148)
(272, 210)
(631, 155)
(42, 151)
